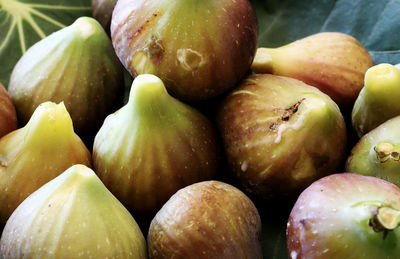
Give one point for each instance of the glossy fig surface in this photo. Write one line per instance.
(72, 216)
(8, 115)
(280, 135)
(200, 49)
(209, 219)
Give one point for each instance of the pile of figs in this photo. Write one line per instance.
(160, 129)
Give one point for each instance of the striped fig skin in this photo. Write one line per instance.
(154, 146)
(209, 220)
(72, 216)
(35, 154)
(200, 49)
(8, 115)
(76, 65)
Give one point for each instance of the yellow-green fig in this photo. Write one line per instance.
(76, 65)
(153, 146)
(333, 62)
(8, 115)
(35, 154)
(72, 216)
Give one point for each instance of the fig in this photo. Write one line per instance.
(153, 146)
(75, 65)
(102, 12)
(333, 62)
(378, 99)
(210, 219)
(200, 49)
(8, 115)
(346, 216)
(72, 216)
(35, 154)
(377, 153)
(280, 135)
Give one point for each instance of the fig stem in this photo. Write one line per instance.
(387, 218)
(262, 62)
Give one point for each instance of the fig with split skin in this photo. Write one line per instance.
(8, 115)
(210, 219)
(199, 49)
(76, 65)
(280, 135)
(333, 62)
(72, 216)
(153, 146)
(346, 216)
(35, 154)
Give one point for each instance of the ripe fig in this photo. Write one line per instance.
(331, 61)
(76, 65)
(210, 219)
(377, 153)
(280, 134)
(346, 216)
(152, 147)
(72, 216)
(8, 115)
(102, 11)
(378, 100)
(199, 49)
(35, 154)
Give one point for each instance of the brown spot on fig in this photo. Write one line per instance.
(190, 59)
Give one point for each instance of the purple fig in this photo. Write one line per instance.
(8, 115)
(102, 11)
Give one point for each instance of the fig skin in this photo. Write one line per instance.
(152, 147)
(200, 49)
(72, 216)
(333, 62)
(102, 11)
(8, 115)
(35, 154)
(210, 219)
(76, 65)
(378, 99)
(280, 135)
(332, 217)
(377, 153)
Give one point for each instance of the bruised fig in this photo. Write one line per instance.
(72, 216)
(35, 154)
(346, 216)
(377, 153)
(199, 49)
(8, 116)
(280, 134)
(209, 220)
(331, 61)
(76, 65)
(102, 12)
(378, 101)
(152, 147)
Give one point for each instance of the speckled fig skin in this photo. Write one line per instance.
(333, 62)
(377, 153)
(334, 218)
(280, 135)
(72, 216)
(209, 220)
(76, 65)
(102, 11)
(8, 115)
(200, 49)
(35, 154)
(152, 147)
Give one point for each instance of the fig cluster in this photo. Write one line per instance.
(189, 153)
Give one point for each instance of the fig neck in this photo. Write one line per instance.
(262, 62)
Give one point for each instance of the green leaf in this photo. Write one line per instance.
(375, 23)
(24, 22)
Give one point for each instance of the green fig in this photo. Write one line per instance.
(199, 49)
(152, 147)
(76, 65)
(280, 135)
(35, 154)
(378, 100)
(72, 216)
(210, 219)
(102, 11)
(333, 62)
(8, 115)
(377, 153)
